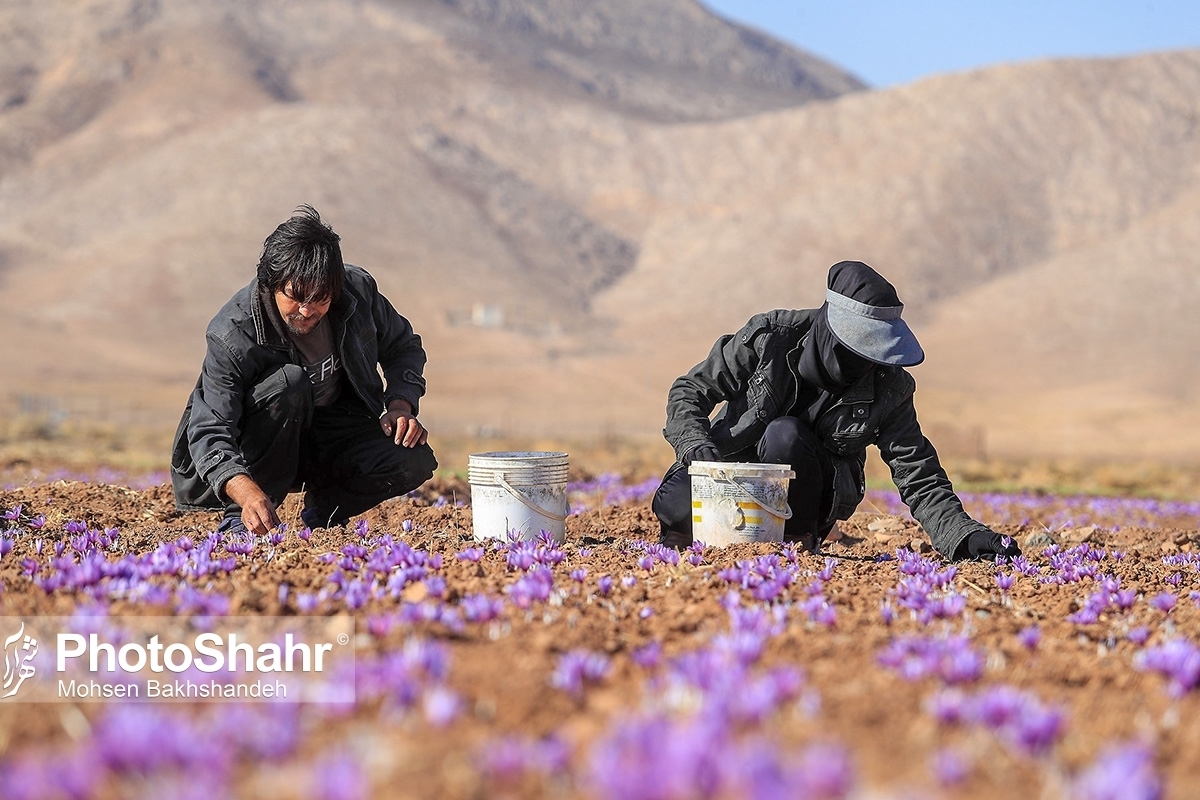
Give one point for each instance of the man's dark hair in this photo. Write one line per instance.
(305, 252)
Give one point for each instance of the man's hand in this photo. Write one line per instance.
(399, 423)
(706, 451)
(258, 512)
(985, 545)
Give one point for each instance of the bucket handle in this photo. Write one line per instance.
(786, 514)
(499, 476)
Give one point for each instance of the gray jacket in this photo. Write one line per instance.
(246, 343)
(753, 373)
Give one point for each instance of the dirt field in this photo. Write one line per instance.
(609, 668)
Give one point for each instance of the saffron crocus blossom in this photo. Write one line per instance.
(1030, 637)
(950, 658)
(1178, 660)
(1017, 718)
(1138, 635)
(511, 758)
(1164, 602)
(648, 656)
(1120, 772)
(441, 706)
(340, 777)
(472, 554)
(948, 767)
(577, 668)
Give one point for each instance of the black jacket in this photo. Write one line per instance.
(246, 342)
(753, 373)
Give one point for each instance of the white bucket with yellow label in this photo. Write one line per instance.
(733, 503)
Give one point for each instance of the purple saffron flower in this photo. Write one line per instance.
(1120, 772)
(441, 706)
(576, 668)
(340, 777)
(1164, 602)
(1004, 581)
(579, 575)
(604, 585)
(1030, 637)
(481, 608)
(1138, 635)
(1178, 660)
(948, 768)
(948, 706)
(1125, 598)
(648, 656)
(473, 554)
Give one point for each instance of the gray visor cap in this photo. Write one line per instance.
(873, 332)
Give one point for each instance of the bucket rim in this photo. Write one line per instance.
(740, 469)
(518, 455)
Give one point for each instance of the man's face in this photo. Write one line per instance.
(300, 316)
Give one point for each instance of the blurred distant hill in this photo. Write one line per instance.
(571, 200)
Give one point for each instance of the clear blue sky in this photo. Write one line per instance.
(886, 42)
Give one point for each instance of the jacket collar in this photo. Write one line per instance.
(861, 392)
(268, 325)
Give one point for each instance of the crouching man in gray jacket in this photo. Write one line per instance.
(290, 394)
(811, 389)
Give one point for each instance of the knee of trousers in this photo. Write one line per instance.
(672, 502)
(407, 466)
(787, 440)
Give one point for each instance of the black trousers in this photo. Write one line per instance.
(786, 440)
(337, 454)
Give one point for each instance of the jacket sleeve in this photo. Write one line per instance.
(400, 352)
(215, 425)
(923, 484)
(720, 377)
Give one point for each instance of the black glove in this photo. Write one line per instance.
(985, 545)
(707, 451)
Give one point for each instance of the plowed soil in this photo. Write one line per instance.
(502, 671)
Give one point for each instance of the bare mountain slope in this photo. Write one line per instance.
(571, 200)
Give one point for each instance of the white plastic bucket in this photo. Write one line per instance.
(518, 491)
(734, 503)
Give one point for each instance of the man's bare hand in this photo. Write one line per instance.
(399, 423)
(258, 512)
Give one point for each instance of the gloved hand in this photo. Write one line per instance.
(706, 451)
(985, 545)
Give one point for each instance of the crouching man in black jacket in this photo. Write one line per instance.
(811, 389)
(290, 394)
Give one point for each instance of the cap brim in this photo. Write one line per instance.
(873, 332)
